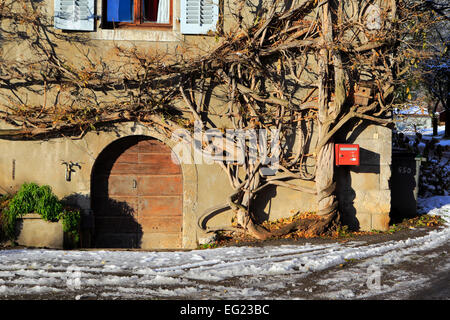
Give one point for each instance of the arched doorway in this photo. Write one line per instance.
(137, 195)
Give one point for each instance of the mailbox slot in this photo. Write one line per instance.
(347, 154)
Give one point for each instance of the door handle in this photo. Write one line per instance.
(134, 184)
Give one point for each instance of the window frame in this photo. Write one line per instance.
(137, 17)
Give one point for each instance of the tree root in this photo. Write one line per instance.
(310, 226)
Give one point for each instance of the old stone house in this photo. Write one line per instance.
(131, 192)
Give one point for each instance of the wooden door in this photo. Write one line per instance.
(137, 196)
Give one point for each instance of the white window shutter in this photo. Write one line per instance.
(199, 16)
(74, 15)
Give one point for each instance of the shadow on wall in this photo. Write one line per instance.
(110, 223)
(346, 193)
(259, 204)
(82, 202)
(258, 7)
(114, 211)
(262, 205)
(115, 223)
(403, 185)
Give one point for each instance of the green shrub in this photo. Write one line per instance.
(71, 222)
(32, 198)
(37, 199)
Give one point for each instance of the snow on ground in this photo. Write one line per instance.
(352, 270)
(427, 135)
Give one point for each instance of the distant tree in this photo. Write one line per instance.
(433, 71)
(436, 80)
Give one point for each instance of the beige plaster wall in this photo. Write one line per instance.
(204, 185)
(363, 191)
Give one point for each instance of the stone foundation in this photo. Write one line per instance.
(363, 191)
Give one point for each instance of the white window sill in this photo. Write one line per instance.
(137, 35)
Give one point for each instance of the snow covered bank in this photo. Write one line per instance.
(437, 205)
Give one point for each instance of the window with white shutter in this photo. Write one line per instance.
(74, 15)
(199, 16)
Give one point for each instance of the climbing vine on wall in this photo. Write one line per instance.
(294, 67)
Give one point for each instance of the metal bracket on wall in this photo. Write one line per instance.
(13, 173)
(70, 168)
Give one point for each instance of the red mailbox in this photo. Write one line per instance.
(347, 154)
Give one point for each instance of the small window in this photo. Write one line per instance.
(138, 13)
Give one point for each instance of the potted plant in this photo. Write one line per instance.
(34, 216)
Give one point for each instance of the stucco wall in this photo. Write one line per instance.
(363, 191)
(204, 185)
